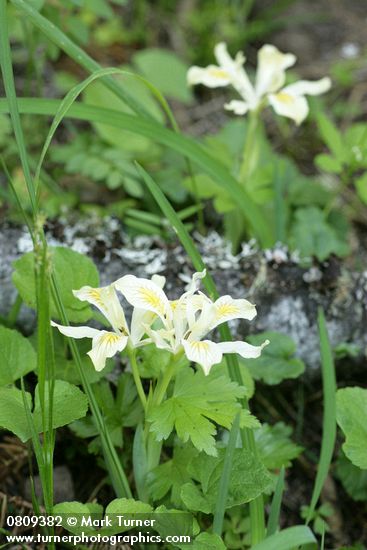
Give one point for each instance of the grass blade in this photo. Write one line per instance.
(288, 539)
(329, 416)
(220, 507)
(273, 521)
(8, 80)
(184, 145)
(61, 40)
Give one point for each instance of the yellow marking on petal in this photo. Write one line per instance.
(227, 309)
(110, 338)
(284, 98)
(218, 73)
(95, 295)
(200, 345)
(174, 304)
(151, 298)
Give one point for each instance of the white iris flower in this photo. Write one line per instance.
(106, 343)
(288, 101)
(185, 322)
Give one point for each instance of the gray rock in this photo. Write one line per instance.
(287, 294)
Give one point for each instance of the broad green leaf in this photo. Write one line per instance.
(18, 356)
(354, 480)
(361, 187)
(288, 539)
(79, 511)
(172, 475)
(196, 403)
(72, 271)
(69, 404)
(312, 235)
(248, 479)
(96, 94)
(275, 447)
(331, 136)
(12, 414)
(165, 70)
(208, 541)
(328, 164)
(277, 361)
(351, 414)
(169, 522)
(132, 509)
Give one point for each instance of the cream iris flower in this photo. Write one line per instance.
(106, 343)
(185, 322)
(288, 101)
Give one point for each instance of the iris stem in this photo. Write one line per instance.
(164, 381)
(251, 150)
(137, 379)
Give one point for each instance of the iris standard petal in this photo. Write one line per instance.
(308, 87)
(271, 66)
(144, 294)
(106, 300)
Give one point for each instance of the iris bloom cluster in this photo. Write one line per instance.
(179, 326)
(268, 88)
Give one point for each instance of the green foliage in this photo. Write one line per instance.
(165, 70)
(208, 541)
(120, 409)
(18, 356)
(318, 517)
(277, 361)
(313, 235)
(275, 447)
(351, 414)
(72, 271)
(354, 479)
(248, 479)
(198, 401)
(69, 403)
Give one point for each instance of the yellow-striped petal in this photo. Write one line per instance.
(106, 300)
(227, 308)
(106, 344)
(144, 294)
(205, 353)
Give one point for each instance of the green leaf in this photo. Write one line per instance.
(277, 361)
(288, 539)
(361, 187)
(12, 414)
(311, 235)
(78, 510)
(69, 404)
(248, 479)
(165, 70)
(354, 480)
(172, 475)
(351, 414)
(129, 507)
(197, 401)
(208, 541)
(328, 164)
(18, 356)
(72, 270)
(331, 136)
(169, 522)
(275, 447)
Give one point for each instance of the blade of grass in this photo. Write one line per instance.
(9, 85)
(56, 36)
(288, 539)
(248, 440)
(329, 415)
(184, 145)
(220, 506)
(273, 521)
